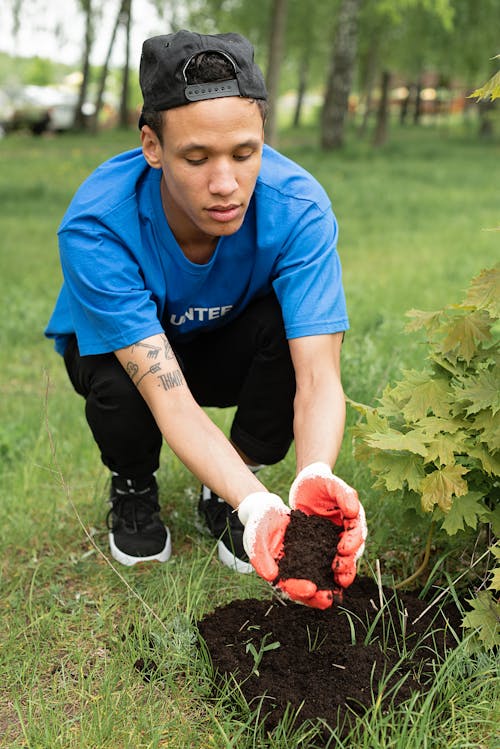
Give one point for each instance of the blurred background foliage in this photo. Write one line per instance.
(368, 61)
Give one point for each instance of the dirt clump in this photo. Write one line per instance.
(310, 544)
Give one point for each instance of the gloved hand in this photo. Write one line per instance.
(316, 491)
(266, 517)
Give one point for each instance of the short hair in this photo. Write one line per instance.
(205, 67)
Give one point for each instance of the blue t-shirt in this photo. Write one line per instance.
(126, 278)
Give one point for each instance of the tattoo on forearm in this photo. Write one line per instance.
(167, 380)
(153, 351)
(132, 369)
(168, 350)
(153, 368)
(170, 380)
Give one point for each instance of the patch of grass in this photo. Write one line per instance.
(94, 656)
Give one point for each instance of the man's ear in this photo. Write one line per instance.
(151, 147)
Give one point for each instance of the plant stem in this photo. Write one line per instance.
(425, 560)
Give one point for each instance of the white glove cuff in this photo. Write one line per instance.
(313, 470)
(364, 531)
(257, 504)
(251, 512)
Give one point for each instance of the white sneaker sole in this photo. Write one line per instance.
(120, 556)
(227, 557)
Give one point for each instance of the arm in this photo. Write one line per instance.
(319, 407)
(194, 438)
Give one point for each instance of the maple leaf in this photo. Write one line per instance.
(484, 291)
(466, 510)
(400, 469)
(490, 462)
(489, 424)
(463, 333)
(430, 395)
(481, 392)
(394, 440)
(432, 425)
(493, 518)
(373, 419)
(490, 90)
(422, 319)
(485, 618)
(391, 403)
(495, 580)
(441, 485)
(443, 448)
(421, 394)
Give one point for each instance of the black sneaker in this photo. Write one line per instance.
(136, 533)
(224, 524)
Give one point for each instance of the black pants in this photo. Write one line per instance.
(245, 364)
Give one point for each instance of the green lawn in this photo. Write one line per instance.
(416, 224)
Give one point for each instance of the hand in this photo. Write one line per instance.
(316, 491)
(266, 517)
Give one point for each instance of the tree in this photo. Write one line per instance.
(124, 98)
(341, 75)
(105, 68)
(86, 6)
(307, 46)
(382, 110)
(275, 55)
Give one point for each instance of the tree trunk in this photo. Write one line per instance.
(275, 56)
(124, 98)
(80, 122)
(380, 136)
(301, 89)
(418, 109)
(371, 64)
(336, 102)
(105, 67)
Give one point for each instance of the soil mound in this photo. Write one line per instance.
(331, 664)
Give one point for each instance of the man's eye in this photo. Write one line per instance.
(242, 156)
(196, 162)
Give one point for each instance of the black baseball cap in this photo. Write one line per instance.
(164, 59)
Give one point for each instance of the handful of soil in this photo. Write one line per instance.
(310, 545)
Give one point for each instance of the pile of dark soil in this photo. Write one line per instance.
(332, 664)
(326, 663)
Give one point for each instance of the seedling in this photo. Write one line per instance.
(257, 655)
(314, 643)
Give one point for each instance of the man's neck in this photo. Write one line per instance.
(196, 246)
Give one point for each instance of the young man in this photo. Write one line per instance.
(201, 270)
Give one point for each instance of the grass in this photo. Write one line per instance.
(93, 656)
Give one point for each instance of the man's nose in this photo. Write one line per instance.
(222, 180)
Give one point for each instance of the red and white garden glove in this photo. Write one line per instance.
(317, 491)
(265, 518)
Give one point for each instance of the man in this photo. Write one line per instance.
(201, 270)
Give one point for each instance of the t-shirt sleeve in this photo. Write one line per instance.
(105, 291)
(308, 280)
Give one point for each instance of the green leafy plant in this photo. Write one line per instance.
(433, 438)
(490, 89)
